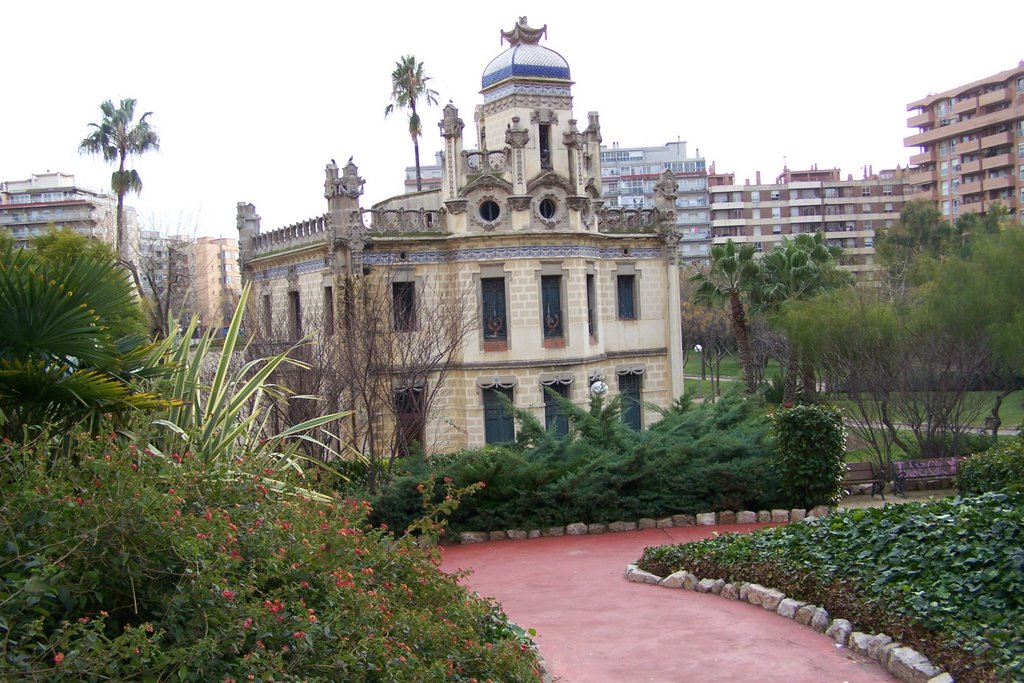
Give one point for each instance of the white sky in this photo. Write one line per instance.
(252, 99)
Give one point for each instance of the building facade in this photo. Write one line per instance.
(970, 146)
(562, 291)
(630, 176)
(429, 175)
(848, 212)
(215, 279)
(30, 207)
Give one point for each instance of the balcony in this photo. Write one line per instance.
(923, 158)
(956, 129)
(969, 167)
(924, 196)
(970, 104)
(806, 219)
(969, 208)
(970, 188)
(998, 161)
(926, 118)
(717, 205)
(994, 97)
(996, 140)
(968, 146)
(920, 177)
(998, 183)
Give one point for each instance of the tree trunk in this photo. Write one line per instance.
(121, 247)
(738, 318)
(789, 389)
(994, 420)
(419, 178)
(810, 381)
(416, 145)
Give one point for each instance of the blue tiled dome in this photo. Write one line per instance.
(526, 61)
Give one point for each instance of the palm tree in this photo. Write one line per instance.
(796, 269)
(408, 85)
(732, 272)
(118, 137)
(68, 350)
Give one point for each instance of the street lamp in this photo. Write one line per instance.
(700, 380)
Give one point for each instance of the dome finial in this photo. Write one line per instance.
(522, 33)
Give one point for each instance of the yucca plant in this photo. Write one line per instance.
(228, 418)
(67, 355)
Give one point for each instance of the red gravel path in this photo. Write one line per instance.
(595, 627)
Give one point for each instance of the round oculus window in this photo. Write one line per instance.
(489, 211)
(547, 208)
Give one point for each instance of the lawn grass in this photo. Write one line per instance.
(1011, 412)
(730, 367)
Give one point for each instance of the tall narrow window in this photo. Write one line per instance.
(409, 413)
(493, 301)
(551, 304)
(268, 316)
(329, 310)
(591, 303)
(403, 305)
(626, 286)
(295, 313)
(553, 414)
(544, 143)
(498, 424)
(629, 388)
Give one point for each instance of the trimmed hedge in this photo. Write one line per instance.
(946, 578)
(811, 453)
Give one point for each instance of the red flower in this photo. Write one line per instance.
(228, 594)
(58, 658)
(299, 634)
(247, 623)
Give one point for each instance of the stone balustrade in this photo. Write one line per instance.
(618, 219)
(405, 220)
(304, 232)
(485, 162)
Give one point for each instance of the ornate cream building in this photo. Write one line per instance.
(561, 291)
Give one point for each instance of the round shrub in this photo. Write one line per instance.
(998, 468)
(810, 443)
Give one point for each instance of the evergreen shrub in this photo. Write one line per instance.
(1000, 468)
(697, 458)
(810, 453)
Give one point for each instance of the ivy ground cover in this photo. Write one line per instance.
(946, 578)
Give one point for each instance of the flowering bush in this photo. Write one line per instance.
(132, 565)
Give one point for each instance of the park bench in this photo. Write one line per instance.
(925, 470)
(865, 473)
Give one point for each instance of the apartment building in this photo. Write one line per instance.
(216, 281)
(629, 178)
(31, 207)
(430, 176)
(970, 146)
(848, 212)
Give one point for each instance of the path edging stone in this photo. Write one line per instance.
(905, 663)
